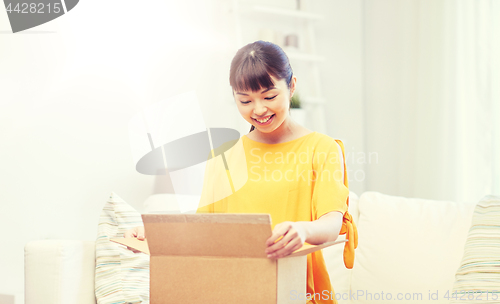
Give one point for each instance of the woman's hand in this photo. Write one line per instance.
(136, 232)
(293, 237)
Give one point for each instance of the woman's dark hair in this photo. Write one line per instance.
(255, 63)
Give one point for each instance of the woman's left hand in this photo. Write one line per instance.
(293, 237)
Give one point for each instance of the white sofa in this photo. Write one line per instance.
(408, 248)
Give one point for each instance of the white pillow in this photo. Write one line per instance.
(121, 276)
(409, 246)
(478, 277)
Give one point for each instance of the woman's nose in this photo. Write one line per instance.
(259, 110)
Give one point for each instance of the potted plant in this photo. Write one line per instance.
(296, 112)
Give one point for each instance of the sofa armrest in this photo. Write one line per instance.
(59, 272)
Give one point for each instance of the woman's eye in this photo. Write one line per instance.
(267, 98)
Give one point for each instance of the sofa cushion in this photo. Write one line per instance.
(59, 272)
(478, 276)
(121, 276)
(408, 248)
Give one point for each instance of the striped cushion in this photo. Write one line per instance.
(121, 276)
(478, 277)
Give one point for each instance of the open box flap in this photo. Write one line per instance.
(214, 234)
(143, 246)
(133, 243)
(308, 248)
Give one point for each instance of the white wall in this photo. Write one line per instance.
(67, 91)
(389, 99)
(340, 41)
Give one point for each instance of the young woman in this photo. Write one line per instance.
(294, 174)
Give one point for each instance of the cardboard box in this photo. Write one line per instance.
(219, 258)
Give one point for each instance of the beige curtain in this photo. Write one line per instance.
(431, 97)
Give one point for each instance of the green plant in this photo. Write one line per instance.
(296, 102)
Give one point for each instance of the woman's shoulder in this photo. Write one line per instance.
(325, 140)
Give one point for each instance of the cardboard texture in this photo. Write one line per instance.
(219, 258)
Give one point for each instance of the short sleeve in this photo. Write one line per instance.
(330, 192)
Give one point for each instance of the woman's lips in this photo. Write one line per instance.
(266, 123)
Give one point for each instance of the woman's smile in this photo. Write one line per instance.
(265, 120)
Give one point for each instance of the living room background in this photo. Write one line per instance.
(411, 88)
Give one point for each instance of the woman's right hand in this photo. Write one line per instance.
(136, 232)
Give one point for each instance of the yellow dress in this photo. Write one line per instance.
(298, 180)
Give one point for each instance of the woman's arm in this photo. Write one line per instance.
(325, 229)
(294, 234)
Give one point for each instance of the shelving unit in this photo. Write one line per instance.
(287, 12)
(304, 60)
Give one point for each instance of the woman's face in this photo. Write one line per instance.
(268, 108)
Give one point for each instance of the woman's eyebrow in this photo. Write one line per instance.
(268, 89)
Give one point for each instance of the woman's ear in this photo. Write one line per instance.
(293, 84)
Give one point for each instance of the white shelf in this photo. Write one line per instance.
(287, 12)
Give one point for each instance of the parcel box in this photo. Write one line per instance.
(219, 258)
